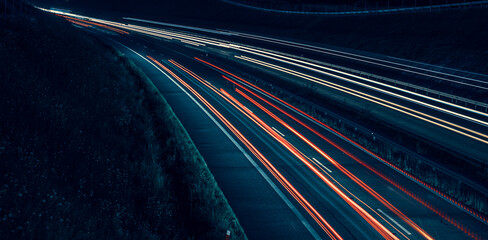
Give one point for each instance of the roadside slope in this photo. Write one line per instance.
(89, 147)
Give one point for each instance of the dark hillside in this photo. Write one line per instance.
(90, 150)
(452, 38)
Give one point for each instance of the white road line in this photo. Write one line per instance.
(395, 222)
(278, 131)
(302, 219)
(322, 165)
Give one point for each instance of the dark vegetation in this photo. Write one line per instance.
(88, 147)
(454, 38)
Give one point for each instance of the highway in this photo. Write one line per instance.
(286, 174)
(464, 124)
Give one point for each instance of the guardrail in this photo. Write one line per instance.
(475, 4)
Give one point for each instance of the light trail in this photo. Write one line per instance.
(372, 221)
(322, 165)
(382, 230)
(379, 101)
(239, 147)
(96, 24)
(417, 198)
(341, 168)
(327, 171)
(203, 41)
(318, 49)
(140, 29)
(301, 64)
(253, 50)
(78, 23)
(192, 43)
(230, 46)
(366, 59)
(196, 40)
(286, 184)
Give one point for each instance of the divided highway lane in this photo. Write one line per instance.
(292, 171)
(459, 112)
(354, 205)
(262, 208)
(254, 221)
(368, 62)
(413, 209)
(393, 176)
(427, 115)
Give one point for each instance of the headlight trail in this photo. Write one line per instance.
(96, 24)
(366, 59)
(315, 67)
(379, 101)
(198, 41)
(322, 50)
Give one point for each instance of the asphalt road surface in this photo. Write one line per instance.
(285, 174)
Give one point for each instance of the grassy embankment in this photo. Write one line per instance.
(89, 148)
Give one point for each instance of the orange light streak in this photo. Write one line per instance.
(380, 101)
(383, 231)
(339, 166)
(372, 221)
(419, 199)
(288, 186)
(96, 24)
(78, 23)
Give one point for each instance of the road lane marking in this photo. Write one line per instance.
(278, 131)
(322, 165)
(395, 222)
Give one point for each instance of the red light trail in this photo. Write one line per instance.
(437, 211)
(283, 181)
(372, 221)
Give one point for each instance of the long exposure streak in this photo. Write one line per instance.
(419, 199)
(422, 116)
(436, 115)
(283, 181)
(373, 222)
(342, 169)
